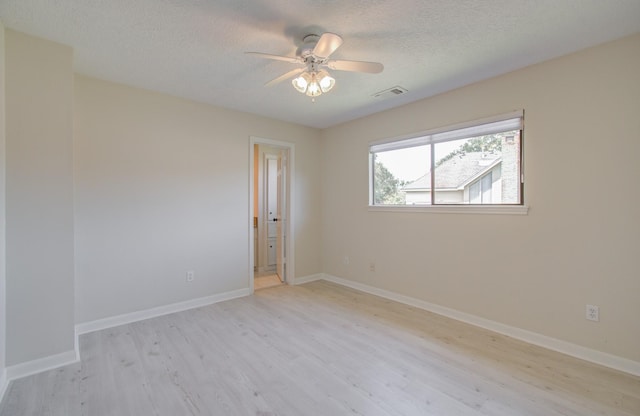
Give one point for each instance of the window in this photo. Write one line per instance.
(477, 163)
(480, 190)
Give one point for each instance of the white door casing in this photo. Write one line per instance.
(281, 236)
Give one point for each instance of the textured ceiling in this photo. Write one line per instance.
(195, 48)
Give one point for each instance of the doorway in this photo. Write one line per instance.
(271, 236)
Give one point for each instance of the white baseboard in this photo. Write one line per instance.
(307, 279)
(41, 364)
(4, 383)
(574, 350)
(128, 318)
(76, 344)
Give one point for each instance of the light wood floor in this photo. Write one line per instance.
(317, 349)
(262, 282)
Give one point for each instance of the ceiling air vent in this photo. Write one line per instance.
(391, 92)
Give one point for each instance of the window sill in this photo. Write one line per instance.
(455, 209)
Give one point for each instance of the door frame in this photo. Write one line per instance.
(289, 228)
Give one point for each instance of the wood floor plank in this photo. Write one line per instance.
(317, 349)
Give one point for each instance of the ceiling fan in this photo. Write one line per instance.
(312, 78)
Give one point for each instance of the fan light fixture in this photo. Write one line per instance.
(310, 77)
(313, 83)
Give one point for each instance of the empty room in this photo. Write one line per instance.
(252, 207)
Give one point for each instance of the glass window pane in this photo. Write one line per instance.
(400, 176)
(478, 170)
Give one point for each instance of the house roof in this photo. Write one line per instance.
(456, 172)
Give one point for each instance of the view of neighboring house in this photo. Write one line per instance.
(470, 178)
(466, 178)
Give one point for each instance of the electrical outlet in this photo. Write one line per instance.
(372, 267)
(191, 275)
(345, 260)
(593, 313)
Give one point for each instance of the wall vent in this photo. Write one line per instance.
(391, 92)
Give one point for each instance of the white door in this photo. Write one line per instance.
(271, 193)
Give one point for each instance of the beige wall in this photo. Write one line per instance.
(3, 276)
(162, 187)
(39, 198)
(534, 272)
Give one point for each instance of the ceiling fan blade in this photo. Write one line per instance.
(356, 66)
(290, 59)
(282, 77)
(327, 44)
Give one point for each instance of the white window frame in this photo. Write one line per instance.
(490, 125)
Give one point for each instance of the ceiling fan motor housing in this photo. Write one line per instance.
(309, 43)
